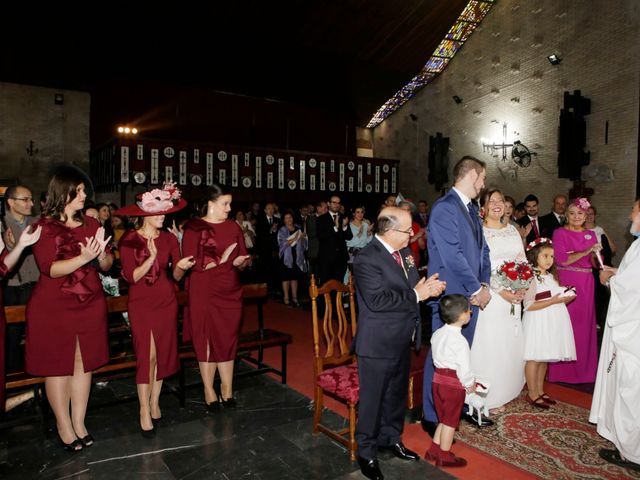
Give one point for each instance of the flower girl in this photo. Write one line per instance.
(548, 334)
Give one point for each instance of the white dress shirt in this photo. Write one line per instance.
(390, 249)
(451, 350)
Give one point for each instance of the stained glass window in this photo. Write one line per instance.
(466, 23)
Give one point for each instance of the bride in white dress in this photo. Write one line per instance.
(497, 352)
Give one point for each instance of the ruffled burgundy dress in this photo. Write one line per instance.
(153, 308)
(63, 310)
(215, 295)
(3, 326)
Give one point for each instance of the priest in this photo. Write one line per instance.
(617, 391)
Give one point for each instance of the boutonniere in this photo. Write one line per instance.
(409, 262)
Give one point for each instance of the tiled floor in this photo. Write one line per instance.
(267, 437)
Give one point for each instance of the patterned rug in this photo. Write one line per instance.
(558, 443)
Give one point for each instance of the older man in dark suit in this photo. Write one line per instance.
(554, 219)
(389, 291)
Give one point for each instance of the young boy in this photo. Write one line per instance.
(452, 378)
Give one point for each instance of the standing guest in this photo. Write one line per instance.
(509, 207)
(390, 201)
(215, 294)
(422, 219)
(519, 211)
(608, 245)
(389, 291)
(333, 232)
(25, 273)
(267, 246)
(67, 312)
(453, 378)
(416, 241)
(617, 392)
(460, 255)
(548, 336)
(313, 243)
(104, 217)
(530, 224)
(8, 261)
(554, 219)
(497, 351)
(247, 230)
(153, 309)
(574, 248)
(293, 245)
(361, 229)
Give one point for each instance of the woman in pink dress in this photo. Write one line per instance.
(574, 248)
(153, 308)
(215, 294)
(66, 332)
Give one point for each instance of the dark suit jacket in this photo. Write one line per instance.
(266, 239)
(523, 222)
(548, 224)
(420, 221)
(388, 311)
(333, 254)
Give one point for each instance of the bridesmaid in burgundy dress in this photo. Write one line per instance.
(8, 260)
(145, 254)
(215, 294)
(66, 334)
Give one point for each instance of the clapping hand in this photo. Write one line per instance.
(430, 287)
(596, 247)
(186, 263)
(9, 239)
(242, 261)
(153, 250)
(99, 236)
(29, 236)
(89, 250)
(225, 256)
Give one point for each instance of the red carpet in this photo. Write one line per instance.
(526, 444)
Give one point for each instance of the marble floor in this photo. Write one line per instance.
(268, 436)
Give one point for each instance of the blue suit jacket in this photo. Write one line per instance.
(460, 254)
(388, 311)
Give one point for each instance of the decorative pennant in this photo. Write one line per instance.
(196, 156)
(155, 155)
(247, 157)
(393, 180)
(124, 164)
(322, 175)
(360, 178)
(140, 152)
(168, 173)
(209, 179)
(385, 186)
(351, 184)
(368, 168)
(312, 182)
(281, 173)
(302, 175)
(377, 182)
(234, 170)
(292, 163)
(182, 177)
(269, 179)
(341, 178)
(222, 175)
(332, 166)
(258, 172)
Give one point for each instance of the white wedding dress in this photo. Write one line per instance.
(497, 352)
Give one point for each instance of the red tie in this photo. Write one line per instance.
(397, 257)
(534, 224)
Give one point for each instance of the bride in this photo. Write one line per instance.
(498, 343)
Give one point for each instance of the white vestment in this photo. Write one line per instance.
(616, 398)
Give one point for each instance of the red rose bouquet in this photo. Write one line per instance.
(515, 276)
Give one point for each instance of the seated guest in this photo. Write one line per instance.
(452, 379)
(292, 246)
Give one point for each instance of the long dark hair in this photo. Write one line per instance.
(214, 192)
(532, 258)
(62, 191)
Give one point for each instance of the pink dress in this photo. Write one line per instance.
(581, 310)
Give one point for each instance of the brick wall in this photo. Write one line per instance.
(60, 133)
(503, 75)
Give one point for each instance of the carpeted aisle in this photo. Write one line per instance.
(526, 443)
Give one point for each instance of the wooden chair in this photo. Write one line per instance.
(334, 366)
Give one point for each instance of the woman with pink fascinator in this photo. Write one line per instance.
(576, 251)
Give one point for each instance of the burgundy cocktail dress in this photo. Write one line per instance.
(64, 310)
(215, 295)
(153, 308)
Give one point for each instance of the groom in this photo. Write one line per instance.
(460, 255)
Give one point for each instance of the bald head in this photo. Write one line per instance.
(394, 226)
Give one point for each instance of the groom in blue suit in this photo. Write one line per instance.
(459, 253)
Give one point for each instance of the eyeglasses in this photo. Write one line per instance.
(408, 232)
(23, 199)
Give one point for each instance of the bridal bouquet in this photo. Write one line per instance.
(514, 276)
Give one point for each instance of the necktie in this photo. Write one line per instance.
(270, 220)
(397, 258)
(534, 225)
(562, 220)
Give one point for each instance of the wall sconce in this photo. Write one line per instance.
(554, 59)
(122, 130)
(31, 150)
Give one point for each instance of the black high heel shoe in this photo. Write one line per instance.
(229, 402)
(213, 407)
(72, 447)
(148, 433)
(87, 440)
